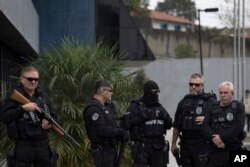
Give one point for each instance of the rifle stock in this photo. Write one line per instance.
(23, 100)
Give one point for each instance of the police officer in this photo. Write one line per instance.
(224, 126)
(147, 121)
(26, 125)
(101, 126)
(187, 124)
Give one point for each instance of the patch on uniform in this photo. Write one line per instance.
(95, 116)
(157, 112)
(106, 111)
(230, 116)
(198, 110)
(25, 115)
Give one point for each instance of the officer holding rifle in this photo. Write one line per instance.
(26, 124)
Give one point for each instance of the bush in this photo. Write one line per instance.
(184, 51)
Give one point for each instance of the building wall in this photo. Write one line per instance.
(169, 26)
(23, 17)
(163, 44)
(60, 18)
(19, 39)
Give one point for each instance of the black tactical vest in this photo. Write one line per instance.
(192, 108)
(28, 127)
(152, 130)
(109, 116)
(223, 120)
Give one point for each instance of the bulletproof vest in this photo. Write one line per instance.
(152, 128)
(222, 120)
(191, 108)
(109, 117)
(29, 125)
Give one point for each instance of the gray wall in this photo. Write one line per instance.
(23, 16)
(173, 77)
(163, 43)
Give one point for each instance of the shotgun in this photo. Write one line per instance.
(18, 97)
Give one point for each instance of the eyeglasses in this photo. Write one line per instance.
(110, 90)
(154, 91)
(195, 84)
(30, 79)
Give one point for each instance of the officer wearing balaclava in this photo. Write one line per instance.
(151, 94)
(147, 122)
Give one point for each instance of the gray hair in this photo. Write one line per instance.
(197, 75)
(101, 84)
(28, 69)
(227, 83)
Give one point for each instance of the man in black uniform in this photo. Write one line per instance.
(26, 125)
(224, 126)
(147, 121)
(101, 126)
(187, 124)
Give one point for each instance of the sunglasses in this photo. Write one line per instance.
(154, 91)
(194, 84)
(30, 79)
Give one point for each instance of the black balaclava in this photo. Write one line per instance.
(150, 98)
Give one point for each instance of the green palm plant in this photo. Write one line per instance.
(68, 72)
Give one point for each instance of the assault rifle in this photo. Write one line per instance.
(18, 97)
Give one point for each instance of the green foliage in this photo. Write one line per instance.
(140, 79)
(68, 72)
(139, 7)
(184, 51)
(182, 8)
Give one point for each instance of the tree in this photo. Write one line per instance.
(181, 8)
(68, 72)
(227, 17)
(139, 7)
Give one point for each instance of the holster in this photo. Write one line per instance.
(204, 158)
(166, 153)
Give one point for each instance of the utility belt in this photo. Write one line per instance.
(194, 142)
(102, 145)
(142, 145)
(37, 143)
(148, 144)
(151, 140)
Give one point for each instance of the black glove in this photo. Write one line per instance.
(162, 114)
(124, 136)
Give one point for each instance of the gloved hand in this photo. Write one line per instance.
(123, 135)
(161, 114)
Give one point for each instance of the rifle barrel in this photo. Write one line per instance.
(63, 132)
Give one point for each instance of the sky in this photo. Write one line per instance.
(211, 19)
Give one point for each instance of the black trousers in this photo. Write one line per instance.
(149, 156)
(104, 156)
(219, 159)
(194, 154)
(37, 154)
